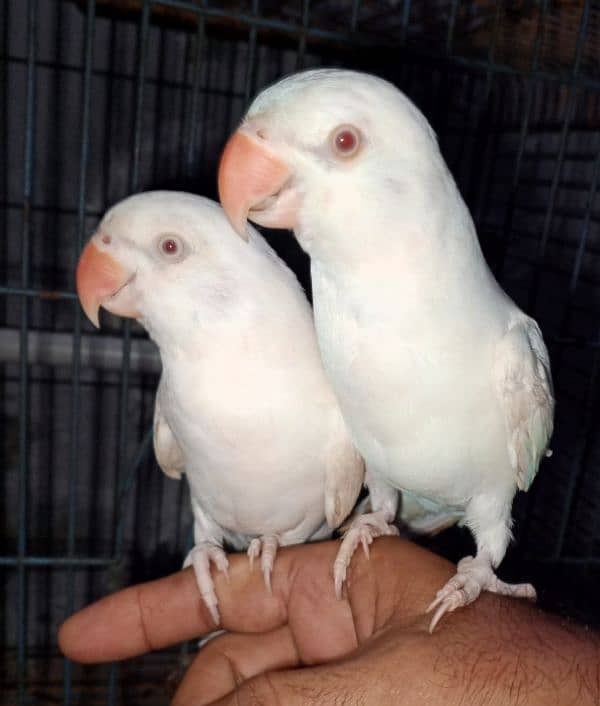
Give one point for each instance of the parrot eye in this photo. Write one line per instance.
(171, 247)
(345, 141)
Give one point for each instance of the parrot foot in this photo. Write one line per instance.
(265, 547)
(362, 530)
(200, 558)
(473, 576)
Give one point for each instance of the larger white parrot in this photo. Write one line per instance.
(443, 381)
(243, 404)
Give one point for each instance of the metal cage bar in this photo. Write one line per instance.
(76, 356)
(510, 208)
(124, 388)
(29, 156)
(569, 113)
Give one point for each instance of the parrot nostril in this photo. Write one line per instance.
(261, 133)
(106, 239)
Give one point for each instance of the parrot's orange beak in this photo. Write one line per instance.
(249, 173)
(98, 277)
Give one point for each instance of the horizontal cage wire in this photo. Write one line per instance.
(104, 98)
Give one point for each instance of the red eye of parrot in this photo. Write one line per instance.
(172, 248)
(169, 246)
(346, 141)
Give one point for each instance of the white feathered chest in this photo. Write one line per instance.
(416, 388)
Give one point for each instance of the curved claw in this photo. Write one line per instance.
(200, 558)
(456, 583)
(473, 575)
(447, 606)
(339, 576)
(365, 541)
(434, 603)
(267, 579)
(253, 551)
(210, 601)
(363, 530)
(265, 547)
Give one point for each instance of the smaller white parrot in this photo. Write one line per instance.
(443, 381)
(243, 406)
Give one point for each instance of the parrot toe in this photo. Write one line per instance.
(200, 558)
(473, 576)
(265, 547)
(363, 530)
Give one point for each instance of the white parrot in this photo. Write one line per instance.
(243, 406)
(444, 383)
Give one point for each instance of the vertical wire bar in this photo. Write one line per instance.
(524, 130)
(4, 81)
(159, 101)
(440, 111)
(206, 102)
(134, 186)
(108, 113)
(451, 26)
(487, 172)
(194, 122)
(232, 64)
(574, 479)
(569, 114)
(481, 131)
(249, 86)
(184, 102)
(354, 15)
(53, 254)
(583, 448)
(533, 291)
(405, 20)
(469, 92)
(124, 386)
(100, 375)
(28, 158)
(76, 359)
(301, 51)
(585, 228)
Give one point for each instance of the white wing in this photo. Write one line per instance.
(524, 385)
(344, 476)
(167, 451)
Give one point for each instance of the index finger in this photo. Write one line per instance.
(160, 613)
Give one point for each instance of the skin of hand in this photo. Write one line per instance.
(303, 646)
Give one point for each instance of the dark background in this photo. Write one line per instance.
(102, 99)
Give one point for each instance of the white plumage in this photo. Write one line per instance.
(243, 405)
(444, 383)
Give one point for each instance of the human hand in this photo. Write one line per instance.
(302, 646)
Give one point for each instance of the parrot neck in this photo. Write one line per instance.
(184, 323)
(413, 241)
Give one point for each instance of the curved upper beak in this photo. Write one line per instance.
(249, 172)
(98, 277)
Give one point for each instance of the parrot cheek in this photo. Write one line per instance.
(125, 302)
(280, 211)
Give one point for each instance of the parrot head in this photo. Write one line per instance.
(327, 140)
(151, 254)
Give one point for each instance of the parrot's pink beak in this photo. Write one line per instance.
(249, 174)
(99, 276)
